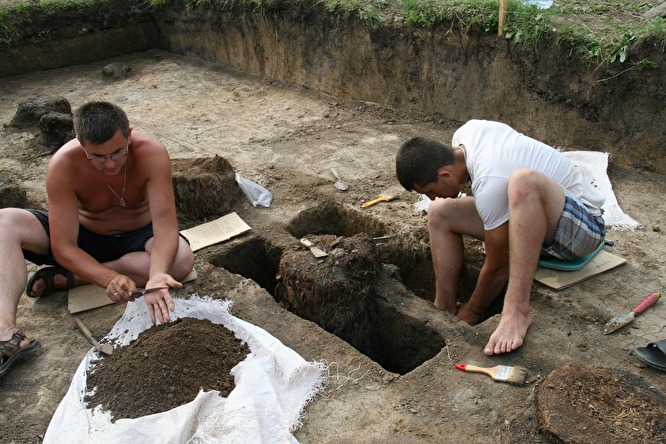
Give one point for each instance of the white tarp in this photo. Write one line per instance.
(594, 166)
(273, 385)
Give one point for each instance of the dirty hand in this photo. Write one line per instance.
(160, 302)
(120, 289)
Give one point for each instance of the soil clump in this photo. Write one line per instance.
(580, 404)
(165, 367)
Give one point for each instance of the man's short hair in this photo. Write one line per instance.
(419, 159)
(97, 122)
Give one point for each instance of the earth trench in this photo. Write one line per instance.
(286, 137)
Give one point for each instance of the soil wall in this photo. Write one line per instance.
(549, 92)
(66, 36)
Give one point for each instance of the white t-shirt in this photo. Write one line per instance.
(495, 150)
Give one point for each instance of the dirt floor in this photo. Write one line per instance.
(287, 140)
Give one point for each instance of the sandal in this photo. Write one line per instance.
(11, 352)
(48, 275)
(654, 354)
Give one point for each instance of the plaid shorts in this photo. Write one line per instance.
(578, 233)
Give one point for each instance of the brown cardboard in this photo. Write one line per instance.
(558, 280)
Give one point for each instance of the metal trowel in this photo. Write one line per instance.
(339, 184)
(620, 321)
(317, 252)
(106, 349)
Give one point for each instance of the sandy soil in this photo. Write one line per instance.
(287, 140)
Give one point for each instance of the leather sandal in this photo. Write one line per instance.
(48, 274)
(11, 352)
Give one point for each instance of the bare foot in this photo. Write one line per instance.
(509, 334)
(59, 283)
(444, 307)
(468, 314)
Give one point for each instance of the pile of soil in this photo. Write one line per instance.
(165, 367)
(581, 405)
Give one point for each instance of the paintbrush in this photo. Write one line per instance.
(381, 198)
(501, 373)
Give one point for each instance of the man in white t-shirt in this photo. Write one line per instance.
(528, 201)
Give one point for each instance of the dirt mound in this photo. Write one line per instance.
(586, 405)
(165, 367)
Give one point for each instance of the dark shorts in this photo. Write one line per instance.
(578, 233)
(103, 248)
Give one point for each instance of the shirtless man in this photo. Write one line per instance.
(111, 222)
(528, 201)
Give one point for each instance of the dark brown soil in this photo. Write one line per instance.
(582, 405)
(166, 366)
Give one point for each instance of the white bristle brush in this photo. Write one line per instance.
(501, 373)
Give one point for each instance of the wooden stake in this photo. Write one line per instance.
(502, 17)
(657, 11)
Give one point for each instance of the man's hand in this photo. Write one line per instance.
(160, 302)
(120, 289)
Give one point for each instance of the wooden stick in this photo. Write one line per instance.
(657, 11)
(502, 17)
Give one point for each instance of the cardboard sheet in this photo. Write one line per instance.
(87, 297)
(558, 280)
(216, 231)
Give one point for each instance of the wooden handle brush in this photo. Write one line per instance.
(501, 373)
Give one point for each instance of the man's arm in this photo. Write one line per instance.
(495, 271)
(165, 241)
(64, 225)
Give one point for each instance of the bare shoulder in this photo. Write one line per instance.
(144, 142)
(67, 159)
(150, 156)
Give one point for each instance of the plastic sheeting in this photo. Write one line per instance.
(273, 385)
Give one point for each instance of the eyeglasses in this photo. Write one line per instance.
(115, 157)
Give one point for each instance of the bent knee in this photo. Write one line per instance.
(524, 182)
(181, 268)
(524, 178)
(440, 210)
(183, 264)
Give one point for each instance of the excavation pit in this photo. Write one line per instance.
(339, 293)
(254, 258)
(412, 257)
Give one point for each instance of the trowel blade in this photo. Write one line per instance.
(317, 252)
(618, 322)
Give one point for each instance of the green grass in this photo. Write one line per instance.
(53, 6)
(600, 31)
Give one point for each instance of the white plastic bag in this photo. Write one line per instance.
(422, 204)
(257, 194)
(541, 4)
